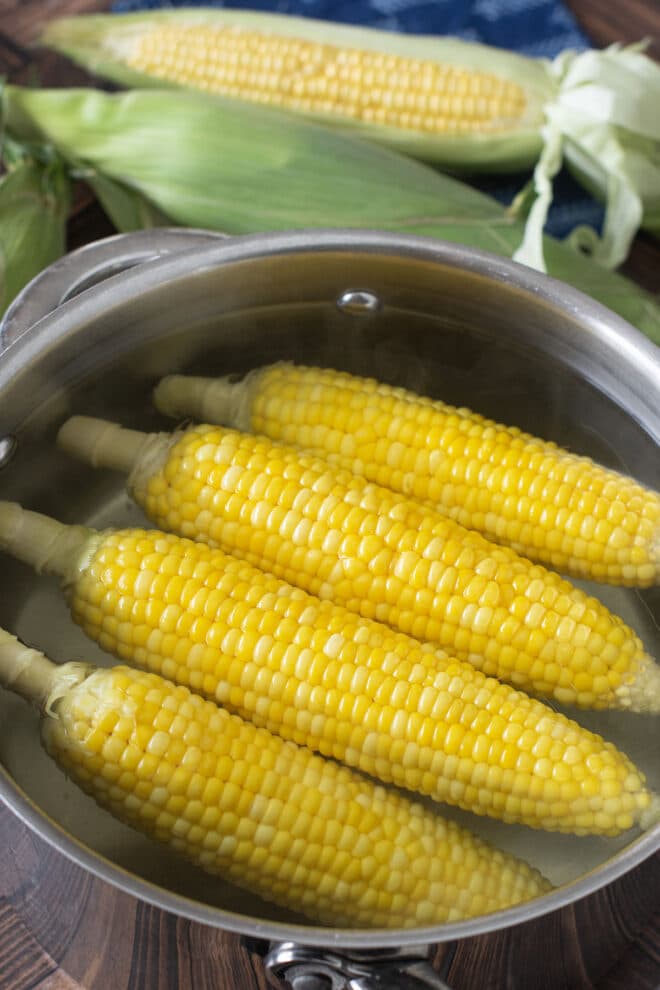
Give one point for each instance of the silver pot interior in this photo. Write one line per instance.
(462, 327)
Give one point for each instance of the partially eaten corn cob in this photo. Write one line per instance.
(263, 813)
(321, 677)
(380, 555)
(548, 504)
(458, 103)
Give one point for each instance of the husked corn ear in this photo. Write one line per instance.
(380, 555)
(344, 686)
(263, 813)
(550, 505)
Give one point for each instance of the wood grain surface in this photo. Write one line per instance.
(63, 929)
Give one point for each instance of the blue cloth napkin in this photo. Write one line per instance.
(540, 28)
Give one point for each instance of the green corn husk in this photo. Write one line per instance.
(240, 169)
(34, 203)
(104, 44)
(126, 208)
(597, 110)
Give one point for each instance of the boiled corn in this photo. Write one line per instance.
(319, 676)
(552, 506)
(263, 813)
(380, 555)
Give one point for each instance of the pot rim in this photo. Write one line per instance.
(613, 331)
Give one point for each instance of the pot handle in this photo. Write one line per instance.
(87, 266)
(301, 967)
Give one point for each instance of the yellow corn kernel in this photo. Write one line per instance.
(548, 504)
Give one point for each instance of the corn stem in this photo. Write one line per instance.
(48, 546)
(102, 444)
(30, 674)
(207, 400)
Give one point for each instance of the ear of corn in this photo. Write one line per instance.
(263, 813)
(434, 98)
(319, 676)
(550, 505)
(380, 555)
(458, 103)
(34, 201)
(242, 168)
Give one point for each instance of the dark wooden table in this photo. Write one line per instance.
(61, 929)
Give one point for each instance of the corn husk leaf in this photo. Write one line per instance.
(241, 169)
(34, 202)
(126, 208)
(596, 110)
(215, 161)
(605, 123)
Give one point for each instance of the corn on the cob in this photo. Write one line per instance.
(380, 555)
(264, 813)
(548, 504)
(458, 103)
(319, 676)
(439, 98)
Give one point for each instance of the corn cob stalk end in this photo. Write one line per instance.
(100, 443)
(48, 546)
(225, 400)
(103, 444)
(33, 676)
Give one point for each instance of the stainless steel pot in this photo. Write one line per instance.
(96, 331)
